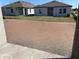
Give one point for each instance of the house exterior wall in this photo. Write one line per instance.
(28, 11)
(31, 11)
(43, 11)
(19, 11)
(7, 11)
(24, 11)
(16, 11)
(56, 11)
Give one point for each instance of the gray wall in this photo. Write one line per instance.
(43, 10)
(2, 30)
(16, 11)
(7, 11)
(55, 11)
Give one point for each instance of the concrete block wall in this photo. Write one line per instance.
(2, 30)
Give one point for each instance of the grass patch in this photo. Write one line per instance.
(42, 18)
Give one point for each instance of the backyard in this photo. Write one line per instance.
(53, 37)
(47, 33)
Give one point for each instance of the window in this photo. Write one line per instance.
(11, 10)
(60, 11)
(40, 11)
(64, 11)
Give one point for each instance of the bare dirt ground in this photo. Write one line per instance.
(53, 37)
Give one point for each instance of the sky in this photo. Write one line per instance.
(74, 3)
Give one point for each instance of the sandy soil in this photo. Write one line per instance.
(54, 37)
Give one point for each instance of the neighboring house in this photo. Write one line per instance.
(53, 8)
(18, 8)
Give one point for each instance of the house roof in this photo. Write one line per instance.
(20, 4)
(53, 4)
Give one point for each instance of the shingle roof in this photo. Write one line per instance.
(20, 4)
(53, 4)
